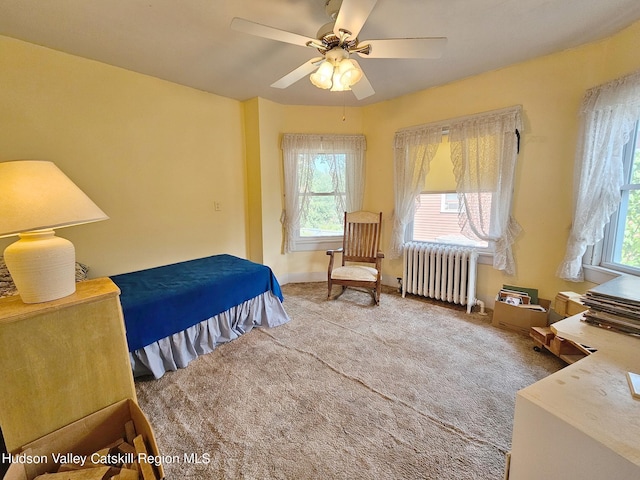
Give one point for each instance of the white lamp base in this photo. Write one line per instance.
(42, 266)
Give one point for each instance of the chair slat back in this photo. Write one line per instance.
(361, 236)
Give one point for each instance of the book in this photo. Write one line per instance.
(513, 297)
(533, 306)
(634, 384)
(531, 292)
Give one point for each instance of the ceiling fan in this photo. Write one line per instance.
(336, 41)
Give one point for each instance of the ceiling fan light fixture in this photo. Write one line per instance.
(322, 77)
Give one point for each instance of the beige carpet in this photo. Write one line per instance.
(407, 390)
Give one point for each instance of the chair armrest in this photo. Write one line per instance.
(379, 257)
(331, 252)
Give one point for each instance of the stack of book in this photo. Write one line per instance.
(615, 305)
(520, 297)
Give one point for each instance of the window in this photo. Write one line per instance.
(436, 220)
(621, 245)
(323, 211)
(449, 203)
(324, 177)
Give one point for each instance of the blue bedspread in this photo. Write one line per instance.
(161, 301)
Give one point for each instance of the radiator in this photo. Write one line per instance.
(442, 272)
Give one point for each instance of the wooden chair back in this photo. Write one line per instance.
(362, 232)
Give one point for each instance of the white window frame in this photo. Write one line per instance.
(320, 242)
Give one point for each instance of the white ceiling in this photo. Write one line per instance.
(189, 41)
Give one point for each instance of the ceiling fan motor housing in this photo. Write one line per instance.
(336, 55)
(330, 40)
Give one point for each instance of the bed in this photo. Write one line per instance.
(174, 313)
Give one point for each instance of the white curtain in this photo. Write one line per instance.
(299, 151)
(413, 151)
(609, 113)
(484, 149)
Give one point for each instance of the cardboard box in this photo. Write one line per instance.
(518, 318)
(84, 437)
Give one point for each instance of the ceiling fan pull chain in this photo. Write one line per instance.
(344, 107)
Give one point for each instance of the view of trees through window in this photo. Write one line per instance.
(324, 215)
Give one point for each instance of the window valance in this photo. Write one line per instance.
(322, 143)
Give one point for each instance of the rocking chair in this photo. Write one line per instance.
(361, 244)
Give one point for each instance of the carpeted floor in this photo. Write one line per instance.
(411, 389)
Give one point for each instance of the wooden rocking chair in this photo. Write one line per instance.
(361, 244)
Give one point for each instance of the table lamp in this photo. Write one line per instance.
(35, 198)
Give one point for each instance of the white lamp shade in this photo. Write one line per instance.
(338, 86)
(36, 195)
(321, 78)
(350, 74)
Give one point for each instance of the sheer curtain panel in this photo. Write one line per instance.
(413, 151)
(608, 114)
(484, 149)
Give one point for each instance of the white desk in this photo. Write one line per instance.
(582, 421)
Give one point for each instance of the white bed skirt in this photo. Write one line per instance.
(178, 350)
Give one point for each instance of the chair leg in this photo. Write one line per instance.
(329, 285)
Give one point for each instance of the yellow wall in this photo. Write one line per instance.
(440, 177)
(153, 155)
(156, 156)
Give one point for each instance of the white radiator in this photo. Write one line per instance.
(442, 272)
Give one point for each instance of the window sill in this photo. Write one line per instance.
(311, 244)
(597, 274)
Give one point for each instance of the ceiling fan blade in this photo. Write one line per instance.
(264, 31)
(363, 88)
(405, 48)
(352, 15)
(300, 72)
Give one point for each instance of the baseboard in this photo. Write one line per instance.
(305, 277)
